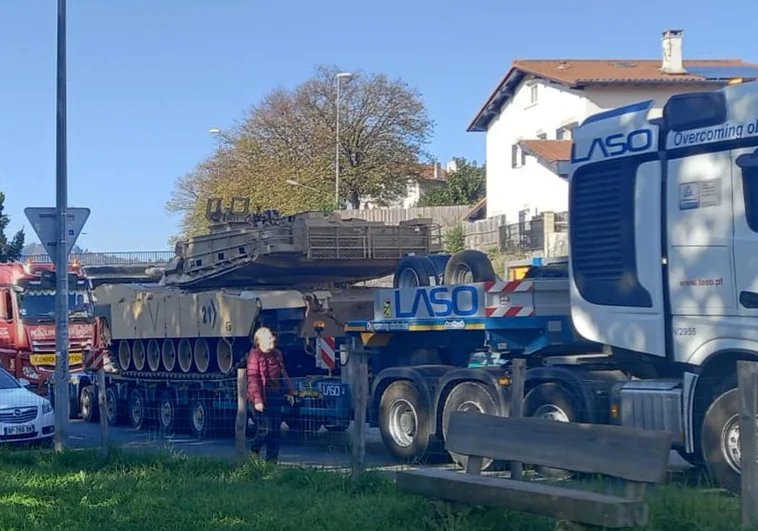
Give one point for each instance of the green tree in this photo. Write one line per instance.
(465, 186)
(9, 250)
(290, 135)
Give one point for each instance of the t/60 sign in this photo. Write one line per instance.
(439, 301)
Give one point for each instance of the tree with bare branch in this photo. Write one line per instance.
(291, 136)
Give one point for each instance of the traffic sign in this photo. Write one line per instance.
(45, 223)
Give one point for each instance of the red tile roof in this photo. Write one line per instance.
(576, 72)
(549, 153)
(579, 73)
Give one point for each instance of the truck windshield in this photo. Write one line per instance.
(36, 304)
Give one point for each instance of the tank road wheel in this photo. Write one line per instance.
(199, 417)
(137, 409)
(403, 420)
(168, 355)
(166, 413)
(153, 355)
(138, 355)
(468, 396)
(124, 355)
(202, 355)
(224, 356)
(185, 355)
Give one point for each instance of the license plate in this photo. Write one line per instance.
(50, 359)
(19, 430)
(332, 390)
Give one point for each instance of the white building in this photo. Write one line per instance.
(430, 177)
(529, 117)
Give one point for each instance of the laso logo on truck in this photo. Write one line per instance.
(441, 301)
(617, 144)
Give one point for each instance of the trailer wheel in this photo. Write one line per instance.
(720, 441)
(166, 413)
(137, 409)
(468, 396)
(88, 404)
(199, 417)
(550, 401)
(404, 420)
(413, 271)
(114, 414)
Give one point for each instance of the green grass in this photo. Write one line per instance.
(80, 491)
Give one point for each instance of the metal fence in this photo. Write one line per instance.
(114, 258)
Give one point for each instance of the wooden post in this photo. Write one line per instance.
(240, 425)
(518, 377)
(748, 392)
(357, 366)
(103, 409)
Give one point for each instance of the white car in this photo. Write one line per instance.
(24, 416)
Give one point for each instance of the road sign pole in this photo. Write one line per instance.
(61, 247)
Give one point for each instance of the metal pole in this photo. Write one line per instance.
(337, 154)
(61, 248)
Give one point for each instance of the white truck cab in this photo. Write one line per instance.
(663, 221)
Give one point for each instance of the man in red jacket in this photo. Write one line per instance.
(266, 378)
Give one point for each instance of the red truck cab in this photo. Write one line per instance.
(27, 320)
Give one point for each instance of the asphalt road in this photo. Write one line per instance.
(322, 449)
(325, 449)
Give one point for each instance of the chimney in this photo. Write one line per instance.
(672, 52)
(437, 170)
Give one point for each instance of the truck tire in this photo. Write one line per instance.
(199, 418)
(720, 440)
(468, 396)
(468, 266)
(88, 404)
(114, 409)
(413, 271)
(166, 413)
(404, 420)
(137, 409)
(550, 401)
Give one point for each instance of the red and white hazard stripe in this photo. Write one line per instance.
(94, 359)
(509, 311)
(326, 348)
(512, 286)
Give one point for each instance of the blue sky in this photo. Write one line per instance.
(148, 78)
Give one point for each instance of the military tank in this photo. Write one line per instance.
(296, 274)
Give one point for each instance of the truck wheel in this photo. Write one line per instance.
(199, 418)
(112, 407)
(413, 271)
(166, 413)
(403, 420)
(88, 404)
(720, 441)
(550, 401)
(137, 409)
(468, 396)
(468, 266)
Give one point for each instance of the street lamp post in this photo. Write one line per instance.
(216, 131)
(337, 154)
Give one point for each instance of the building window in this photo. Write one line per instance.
(518, 157)
(534, 94)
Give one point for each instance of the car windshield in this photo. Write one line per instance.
(7, 381)
(35, 304)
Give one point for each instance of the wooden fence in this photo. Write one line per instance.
(444, 216)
